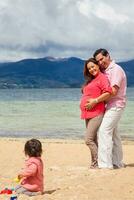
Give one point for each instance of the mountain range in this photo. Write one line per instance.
(50, 72)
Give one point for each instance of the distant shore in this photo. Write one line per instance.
(67, 173)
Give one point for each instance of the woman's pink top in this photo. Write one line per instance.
(33, 174)
(94, 89)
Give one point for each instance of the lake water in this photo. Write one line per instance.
(50, 113)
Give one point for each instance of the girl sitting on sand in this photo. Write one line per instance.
(31, 176)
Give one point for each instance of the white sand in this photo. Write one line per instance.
(67, 176)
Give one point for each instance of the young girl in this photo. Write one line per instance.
(31, 176)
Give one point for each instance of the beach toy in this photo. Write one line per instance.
(16, 180)
(6, 191)
(13, 198)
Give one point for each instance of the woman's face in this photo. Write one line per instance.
(93, 69)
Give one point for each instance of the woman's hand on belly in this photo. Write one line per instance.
(90, 104)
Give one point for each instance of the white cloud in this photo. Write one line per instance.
(108, 13)
(85, 7)
(31, 28)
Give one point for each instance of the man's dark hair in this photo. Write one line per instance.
(104, 52)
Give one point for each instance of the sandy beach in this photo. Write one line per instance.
(67, 173)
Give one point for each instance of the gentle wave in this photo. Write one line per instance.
(50, 113)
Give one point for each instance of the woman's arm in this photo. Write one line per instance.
(103, 97)
(92, 102)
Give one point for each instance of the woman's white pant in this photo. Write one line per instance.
(109, 141)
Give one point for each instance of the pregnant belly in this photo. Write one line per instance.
(83, 102)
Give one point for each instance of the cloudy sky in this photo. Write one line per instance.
(64, 28)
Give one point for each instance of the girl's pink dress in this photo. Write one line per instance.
(33, 172)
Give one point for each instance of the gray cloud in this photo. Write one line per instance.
(63, 28)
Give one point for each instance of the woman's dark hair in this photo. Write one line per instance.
(104, 52)
(33, 148)
(86, 73)
(88, 77)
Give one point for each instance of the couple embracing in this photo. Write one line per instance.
(102, 104)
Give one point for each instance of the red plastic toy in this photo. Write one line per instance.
(6, 191)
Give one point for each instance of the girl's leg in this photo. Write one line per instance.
(29, 193)
(21, 190)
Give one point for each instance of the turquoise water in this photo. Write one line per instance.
(50, 113)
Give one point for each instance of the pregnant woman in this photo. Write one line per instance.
(96, 89)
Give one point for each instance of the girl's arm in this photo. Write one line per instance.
(30, 170)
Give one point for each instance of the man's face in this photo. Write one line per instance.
(103, 61)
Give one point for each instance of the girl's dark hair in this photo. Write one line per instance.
(88, 77)
(33, 148)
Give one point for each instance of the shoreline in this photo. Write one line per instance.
(123, 138)
(125, 141)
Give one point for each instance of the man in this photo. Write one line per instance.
(109, 142)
